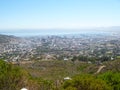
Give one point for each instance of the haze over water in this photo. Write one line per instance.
(50, 32)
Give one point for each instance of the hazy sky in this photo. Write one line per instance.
(48, 14)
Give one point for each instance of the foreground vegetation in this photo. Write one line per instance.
(49, 75)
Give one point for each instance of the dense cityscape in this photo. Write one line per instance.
(83, 47)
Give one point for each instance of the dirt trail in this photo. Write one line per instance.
(100, 68)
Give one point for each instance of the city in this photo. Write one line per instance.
(101, 47)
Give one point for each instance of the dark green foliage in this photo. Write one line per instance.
(111, 78)
(85, 82)
(104, 58)
(11, 77)
(14, 78)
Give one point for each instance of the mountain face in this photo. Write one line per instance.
(11, 47)
(7, 38)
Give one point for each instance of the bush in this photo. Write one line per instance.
(14, 78)
(11, 77)
(40, 84)
(86, 82)
(111, 78)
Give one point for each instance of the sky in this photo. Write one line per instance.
(58, 14)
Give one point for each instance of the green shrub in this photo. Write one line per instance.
(11, 77)
(86, 82)
(111, 78)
